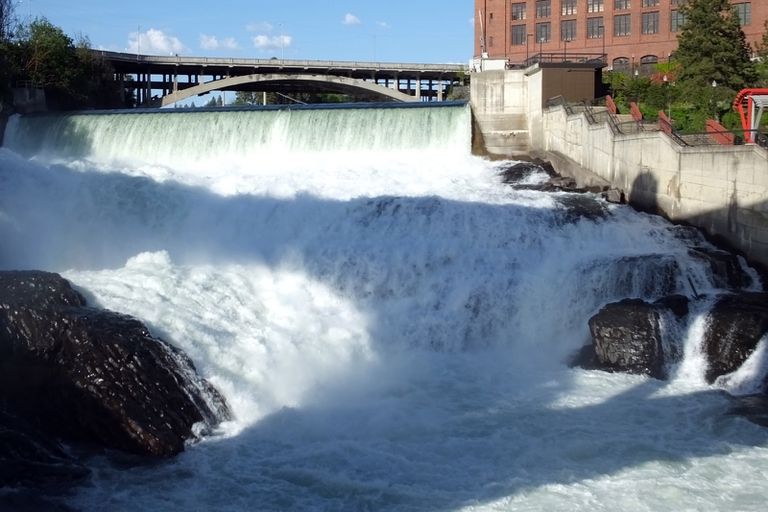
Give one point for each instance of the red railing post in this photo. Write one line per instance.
(719, 133)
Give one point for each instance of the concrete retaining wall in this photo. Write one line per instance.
(722, 189)
(499, 104)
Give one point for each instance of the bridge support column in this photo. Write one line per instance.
(439, 90)
(418, 88)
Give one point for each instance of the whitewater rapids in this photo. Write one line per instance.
(388, 322)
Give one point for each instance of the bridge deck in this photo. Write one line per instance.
(182, 65)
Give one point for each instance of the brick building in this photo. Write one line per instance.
(634, 34)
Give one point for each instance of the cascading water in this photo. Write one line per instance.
(387, 321)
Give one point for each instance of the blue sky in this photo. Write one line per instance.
(389, 30)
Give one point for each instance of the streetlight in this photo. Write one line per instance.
(712, 100)
(666, 97)
(541, 41)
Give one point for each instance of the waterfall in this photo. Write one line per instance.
(388, 322)
(196, 139)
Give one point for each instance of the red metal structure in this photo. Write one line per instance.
(749, 103)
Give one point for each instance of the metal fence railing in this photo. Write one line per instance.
(565, 57)
(596, 113)
(723, 138)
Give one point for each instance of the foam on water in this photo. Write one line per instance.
(389, 329)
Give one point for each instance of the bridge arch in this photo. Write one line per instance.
(329, 83)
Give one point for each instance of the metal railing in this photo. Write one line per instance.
(564, 57)
(710, 138)
(595, 113)
(272, 62)
(600, 115)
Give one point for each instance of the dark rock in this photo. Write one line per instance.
(520, 171)
(581, 207)
(95, 376)
(646, 275)
(586, 358)
(28, 458)
(737, 323)
(726, 268)
(752, 407)
(563, 183)
(688, 234)
(677, 304)
(627, 337)
(28, 500)
(614, 195)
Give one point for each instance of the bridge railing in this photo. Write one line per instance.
(565, 57)
(325, 64)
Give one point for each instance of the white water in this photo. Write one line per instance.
(389, 326)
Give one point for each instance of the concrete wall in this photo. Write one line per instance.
(500, 106)
(507, 104)
(722, 189)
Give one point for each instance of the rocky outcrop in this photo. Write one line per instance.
(83, 374)
(737, 324)
(627, 337)
(30, 458)
(727, 271)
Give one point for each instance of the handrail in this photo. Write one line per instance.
(189, 60)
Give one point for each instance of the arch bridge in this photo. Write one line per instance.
(161, 81)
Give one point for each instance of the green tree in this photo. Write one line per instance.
(247, 98)
(713, 55)
(7, 20)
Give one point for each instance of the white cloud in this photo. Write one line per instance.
(260, 26)
(471, 21)
(265, 42)
(153, 41)
(213, 43)
(208, 42)
(383, 24)
(351, 19)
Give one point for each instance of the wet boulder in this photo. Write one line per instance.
(89, 375)
(726, 269)
(737, 324)
(627, 337)
(520, 171)
(29, 458)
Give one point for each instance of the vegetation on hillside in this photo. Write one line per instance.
(40, 55)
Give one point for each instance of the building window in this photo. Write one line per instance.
(543, 32)
(622, 4)
(745, 12)
(594, 5)
(676, 2)
(651, 22)
(568, 7)
(621, 64)
(518, 11)
(650, 3)
(543, 8)
(648, 64)
(622, 25)
(677, 20)
(568, 30)
(595, 28)
(518, 35)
